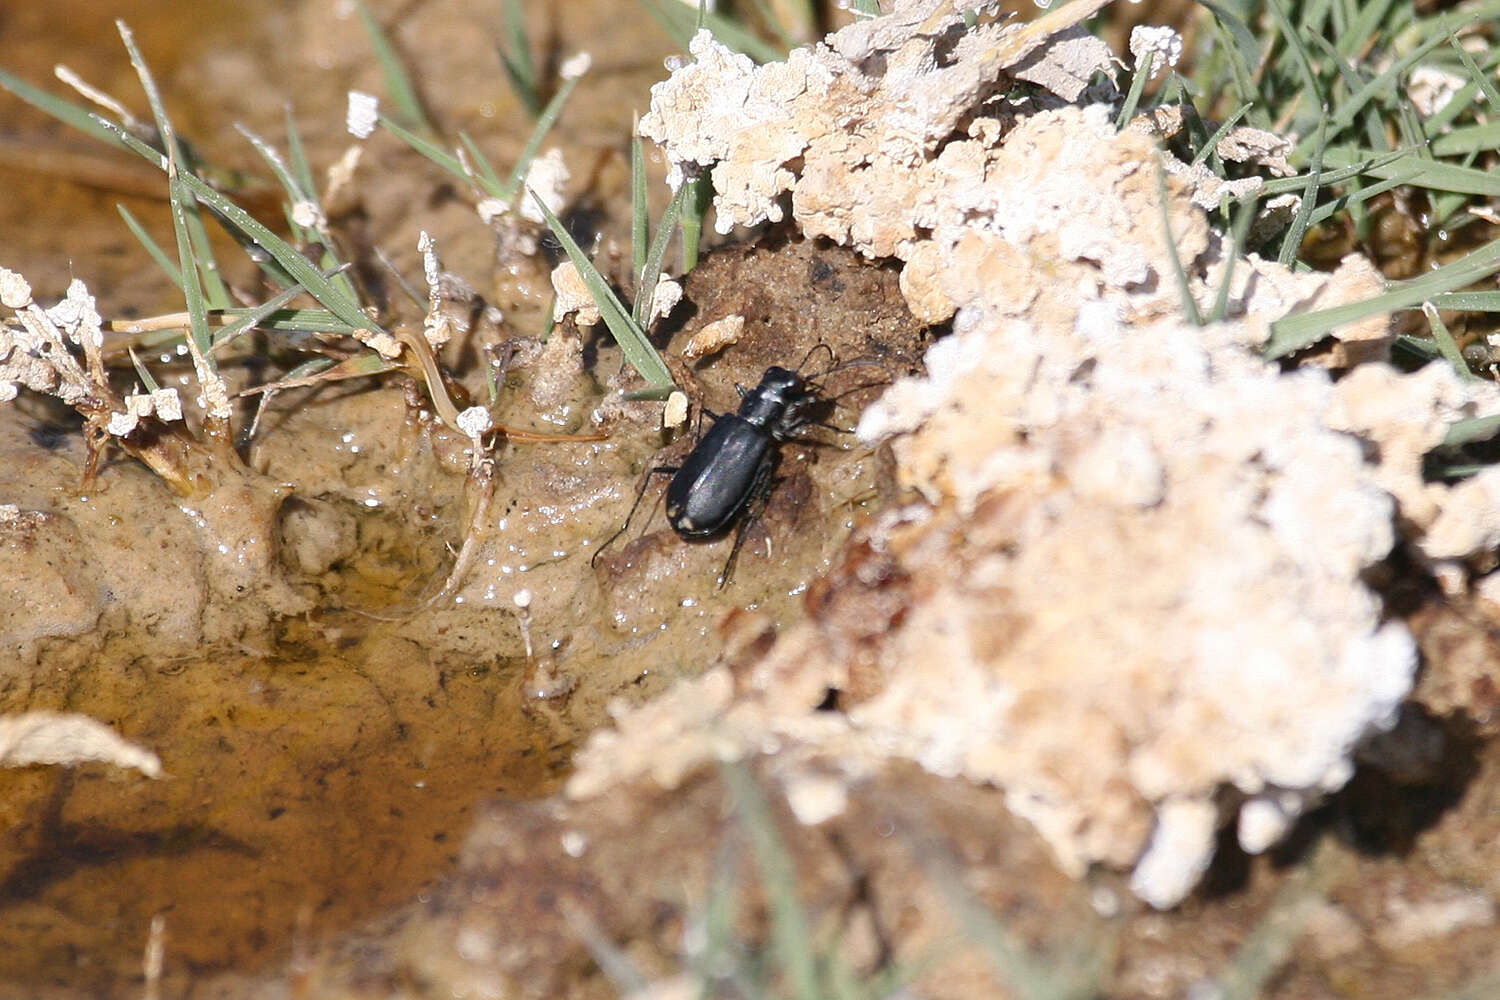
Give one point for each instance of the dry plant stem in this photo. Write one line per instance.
(180, 461)
(481, 487)
(192, 467)
(431, 374)
(443, 403)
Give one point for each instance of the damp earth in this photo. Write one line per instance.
(364, 738)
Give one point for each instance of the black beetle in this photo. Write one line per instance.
(728, 476)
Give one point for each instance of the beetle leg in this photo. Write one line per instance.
(760, 495)
(667, 470)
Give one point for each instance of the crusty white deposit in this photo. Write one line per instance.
(1139, 547)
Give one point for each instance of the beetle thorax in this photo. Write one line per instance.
(769, 404)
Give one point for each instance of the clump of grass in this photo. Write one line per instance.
(804, 956)
(469, 165)
(211, 320)
(622, 323)
(1337, 74)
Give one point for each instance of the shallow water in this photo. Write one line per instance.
(325, 768)
(307, 788)
(323, 764)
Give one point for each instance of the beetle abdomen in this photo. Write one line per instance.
(718, 478)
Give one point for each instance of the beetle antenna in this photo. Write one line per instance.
(856, 363)
(814, 350)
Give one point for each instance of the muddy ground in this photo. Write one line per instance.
(357, 801)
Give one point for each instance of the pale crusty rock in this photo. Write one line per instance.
(1264, 291)
(1135, 576)
(1067, 66)
(1229, 518)
(715, 336)
(573, 296)
(1413, 923)
(1408, 415)
(1430, 89)
(664, 299)
(68, 738)
(546, 179)
(758, 124)
(1241, 144)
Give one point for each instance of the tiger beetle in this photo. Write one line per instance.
(729, 475)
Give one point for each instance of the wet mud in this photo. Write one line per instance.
(358, 755)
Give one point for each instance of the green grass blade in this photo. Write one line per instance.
(544, 124)
(650, 272)
(1296, 332)
(1316, 14)
(1265, 950)
(1298, 47)
(301, 172)
(279, 167)
(1468, 301)
(791, 931)
(70, 114)
(1013, 963)
(398, 85)
(1238, 233)
(1483, 138)
(680, 22)
(681, 34)
(1366, 24)
(213, 288)
(429, 149)
(1137, 88)
(300, 190)
(640, 208)
(1463, 99)
(440, 157)
(519, 67)
(1479, 79)
(1418, 172)
(718, 920)
(637, 349)
(1374, 124)
(249, 318)
(1472, 430)
(1189, 306)
(1219, 133)
(297, 154)
(694, 211)
(298, 267)
(191, 266)
(1295, 183)
(1291, 244)
(197, 307)
(486, 176)
(147, 382)
(1240, 51)
(297, 321)
(1350, 201)
(617, 965)
(1446, 345)
(152, 247)
(318, 370)
(1381, 85)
